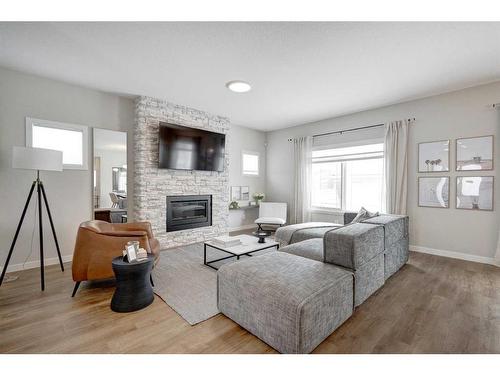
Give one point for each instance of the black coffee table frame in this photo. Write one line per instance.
(226, 250)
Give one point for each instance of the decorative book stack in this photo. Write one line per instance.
(226, 241)
(142, 254)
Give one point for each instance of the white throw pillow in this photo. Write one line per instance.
(363, 214)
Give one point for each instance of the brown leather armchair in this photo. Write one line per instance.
(98, 242)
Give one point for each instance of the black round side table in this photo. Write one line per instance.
(133, 286)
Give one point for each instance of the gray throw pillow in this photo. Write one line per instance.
(363, 214)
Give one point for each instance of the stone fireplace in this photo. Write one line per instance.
(152, 185)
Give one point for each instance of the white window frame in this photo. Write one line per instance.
(343, 180)
(30, 122)
(255, 153)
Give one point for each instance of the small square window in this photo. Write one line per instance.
(250, 163)
(71, 139)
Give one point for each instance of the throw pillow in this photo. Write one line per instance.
(363, 214)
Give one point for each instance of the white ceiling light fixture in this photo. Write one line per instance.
(238, 86)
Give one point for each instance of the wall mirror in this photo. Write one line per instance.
(110, 176)
(475, 154)
(434, 156)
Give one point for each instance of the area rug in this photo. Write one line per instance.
(186, 285)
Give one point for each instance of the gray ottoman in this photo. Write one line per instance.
(290, 302)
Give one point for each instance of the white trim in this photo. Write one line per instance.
(331, 145)
(243, 227)
(36, 263)
(327, 210)
(254, 153)
(455, 255)
(30, 121)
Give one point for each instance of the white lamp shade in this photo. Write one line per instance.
(37, 158)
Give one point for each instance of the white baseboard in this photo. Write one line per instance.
(36, 263)
(455, 255)
(243, 227)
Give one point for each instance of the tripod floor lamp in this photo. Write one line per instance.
(38, 159)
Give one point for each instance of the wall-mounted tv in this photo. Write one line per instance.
(186, 148)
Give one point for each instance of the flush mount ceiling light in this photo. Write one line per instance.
(238, 86)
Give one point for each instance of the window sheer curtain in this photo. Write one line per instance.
(396, 166)
(302, 183)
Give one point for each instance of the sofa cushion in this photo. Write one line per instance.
(311, 249)
(395, 226)
(290, 302)
(309, 233)
(368, 278)
(395, 257)
(353, 245)
(302, 231)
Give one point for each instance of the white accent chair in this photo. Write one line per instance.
(271, 213)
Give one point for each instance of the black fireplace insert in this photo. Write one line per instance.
(188, 211)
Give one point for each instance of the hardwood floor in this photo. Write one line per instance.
(432, 305)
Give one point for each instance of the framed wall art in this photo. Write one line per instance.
(434, 156)
(475, 153)
(245, 193)
(434, 192)
(240, 193)
(235, 193)
(475, 192)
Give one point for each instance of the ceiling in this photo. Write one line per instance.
(300, 72)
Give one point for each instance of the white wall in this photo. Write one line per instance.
(464, 113)
(248, 140)
(69, 192)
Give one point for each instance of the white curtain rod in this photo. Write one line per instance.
(353, 129)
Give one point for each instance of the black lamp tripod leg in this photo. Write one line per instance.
(52, 225)
(40, 229)
(17, 232)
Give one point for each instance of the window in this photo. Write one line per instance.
(250, 163)
(71, 139)
(348, 178)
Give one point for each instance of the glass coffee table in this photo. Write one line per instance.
(249, 245)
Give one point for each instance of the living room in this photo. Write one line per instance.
(190, 199)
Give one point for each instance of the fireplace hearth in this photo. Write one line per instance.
(188, 211)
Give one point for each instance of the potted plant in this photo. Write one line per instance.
(258, 197)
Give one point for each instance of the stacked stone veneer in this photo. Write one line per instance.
(152, 185)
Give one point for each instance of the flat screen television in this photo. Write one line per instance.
(186, 148)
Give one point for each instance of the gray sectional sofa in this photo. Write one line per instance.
(294, 298)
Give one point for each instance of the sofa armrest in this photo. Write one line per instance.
(353, 245)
